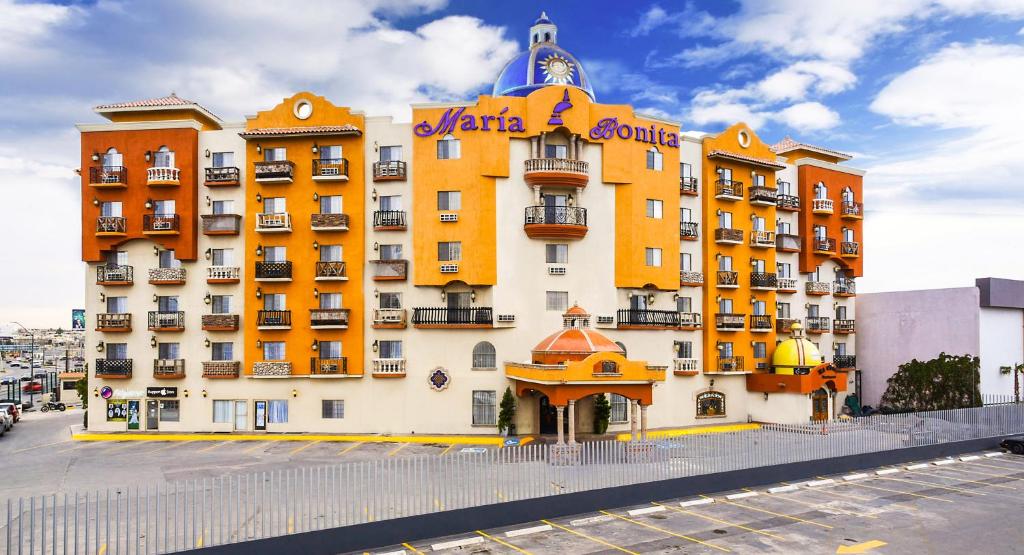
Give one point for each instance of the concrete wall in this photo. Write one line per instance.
(1002, 344)
(899, 326)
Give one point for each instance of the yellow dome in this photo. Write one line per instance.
(795, 352)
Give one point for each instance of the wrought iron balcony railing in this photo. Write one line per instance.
(279, 271)
(557, 215)
(817, 324)
(330, 270)
(688, 185)
(389, 219)
(113, 368)
(760, 322)
(652, 318)
(763, 280)
(688, 230)
(222, 176)
(824, 245)
(434, 316)
(328, 366)
(167, 368)
(730, 364)
(787, 202)
(728, 189)
(166, 320)
(111, 225)
(766, 196)
(844, 361)
(161, 223)
(108, 274)
(844, 287)
(273, 319)
(852, 210)
(391, 170)
(327, 169)
(114, 321)
(110, 176)
(274, 171)
(727, 278)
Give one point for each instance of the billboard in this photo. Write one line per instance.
(78, 318)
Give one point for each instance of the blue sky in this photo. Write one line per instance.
(925, 93)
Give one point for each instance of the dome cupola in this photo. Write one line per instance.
(795, 355)
(575, 341)
(544, 64)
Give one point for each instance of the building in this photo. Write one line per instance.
(414, 264)
(986, 321)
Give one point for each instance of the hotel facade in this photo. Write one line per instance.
(317, 269)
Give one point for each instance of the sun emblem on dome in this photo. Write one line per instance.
(557, 69)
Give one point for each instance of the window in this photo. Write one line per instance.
(684, 304)
(841, 312)
(757, 266)
(275, 254)
(167, 303)
(654, 159)
(556, 151)
(390, 153)
(330, 300)
(390, 349)
(685, 170)
(111, 209)
(638, 301)
(222, 351)
(684, 349)
(782, 310)
(556, 253)
(724, 263)
(391, 252)
(449, 251)
(620, 408)
(117, 351)
(275, 205)
(847, 195)
(222, 412)
(760, 349)
(169, 410)
(839, 349)
(163, 158)
(112, 159)
(725, 306)
(726, 174)
(277, 411)
(758, 223)
(725, 220)
(223, 207)
(273, 350)
(848, 235)
(278, 154)
(685, 215)
(117, 410)
(820, 232)
(167, 259)
(785, 269)
(220, 304)
(652, 257)
(117, 305)
(274, 301)
(484, 356)
(686, 262)
(330, 204)
(330, 253)
(221, 257)
(820, 191)
(168, 351)
(785, 228)
(449, 200)
(557, 300)
(390, 300)
(330, 152)
(785, 188)
(812, 311)
(391, 203)
(67, 385)
(760, 308)
(483, 408)
(329, 349)
(332, 408)
(223, 159)
(117, 258)
(815, 275)
(711, 403)
(654, 208)
(448, 148)
(758, 180)
(163, 207)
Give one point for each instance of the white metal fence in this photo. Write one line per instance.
(205, 512)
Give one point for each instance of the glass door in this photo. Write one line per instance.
(241, 415)
(260, 416)
(152, 414)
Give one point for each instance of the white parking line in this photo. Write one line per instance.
(694, 502)
(814, 483)
(918, 466)
(887, 471)
(590, 520)
(971, 458)
(527, 531)
(782, 489)
(457, 543)
(943, 462)
(645, 510)
(996, 454)
(743, 495)
(850, 477)
(399, 552)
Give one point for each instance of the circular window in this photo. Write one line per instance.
(744, 138)
(303, 109)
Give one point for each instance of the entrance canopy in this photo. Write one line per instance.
(603, 372)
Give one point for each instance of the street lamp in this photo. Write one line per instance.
(31, 364)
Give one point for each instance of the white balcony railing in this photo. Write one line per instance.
(162, 174)
(223, 272)
(389, 366)
(273, 222)
(821, 205)
(761, 238)
(685, 365)
(389, 316)
(787, 284)
(557, 165)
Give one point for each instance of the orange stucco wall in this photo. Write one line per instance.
(836, 181)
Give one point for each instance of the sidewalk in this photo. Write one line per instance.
(664, 433)
(78, 434)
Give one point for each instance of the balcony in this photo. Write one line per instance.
(166, 320)
(330, 367)
(817, 324)
(220, 322)
(169, 368)
(730, 364)
(328, 318)
(688, 186)
(727, 279)
(844, 287)
(271, 369)
(390, 270)
(330, 169)
(161, 224)
(274, 172)
(445, 317)
(851, 211)
(691, 279)
(760, 323)
(785, 325)
(556, 171)
(114, 368)
(222, 177)
(330, 271)
(690, 321)
(824, 245)
(685, 367)
(167, 276)
(109, 274)
(844, 361)
(727, 189)
(274, 271)
(388, 368)
(273, 319)
(763, 196)
(849, 249)
(762, 239)
(688, 231)
(391, 170)
(639, 319)
(844, 326)
(817, 288)
(555, 222)
(730, 322)
(727, 236)
(389, 220)
(223, 274)
(785, 242)
(821, 206)
(221, 369)
(763, 281)
(111, 226)
(113, 322)
(274, 223)
(163, 177)
(222, 224)
(789, 203)
(329, 222)
(786, 285)
(389, 318)
(113, 177)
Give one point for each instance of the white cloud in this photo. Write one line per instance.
(808, 117)
(795, 81)
(25, 27)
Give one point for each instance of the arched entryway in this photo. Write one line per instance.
(819, 405)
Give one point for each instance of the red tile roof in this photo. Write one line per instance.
(311, 130)
(788, 144)
(170, 101)
(737, 157)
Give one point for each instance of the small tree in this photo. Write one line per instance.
(602, 413)
(946, 382)
(507, 414)
(82, 388)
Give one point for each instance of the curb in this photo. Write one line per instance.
(449, 440)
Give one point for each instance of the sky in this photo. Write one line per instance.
(926, 94)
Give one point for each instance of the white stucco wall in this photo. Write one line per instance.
(1001, 344)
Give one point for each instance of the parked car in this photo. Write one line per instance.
(13, 409)
(1014, 444)
(8, 380)
(6, 422)
(32, 387)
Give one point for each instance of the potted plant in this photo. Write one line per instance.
(507, 414)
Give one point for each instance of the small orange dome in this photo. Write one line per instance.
(575, 341)
(576, 310)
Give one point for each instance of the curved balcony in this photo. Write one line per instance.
(328, 318)
(391, 170)
(281, 171)
(111, 274)
(161, 224)
(222, 177)
(824, 245)
(760, 323)
(389, 220)
(555, 222)
(114, 177)
(851, 210)
(114, 368)
(273, 319)
(728, 189)
(728, 236)
(163, 177)
(221, 224)
(727, 279)
(273, 271)
(111, 226)
(688, 186)
(329, 222)
(274, 223)
(763, 281)
(821, 206)
(330, 271)
(330, 169)
(762, 239)
(688, 231)
(169, 368)
(685, 366)
(691, 279)
(730, 322)
(849, 249)
(556, 171)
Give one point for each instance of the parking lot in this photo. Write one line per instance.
(968, 504)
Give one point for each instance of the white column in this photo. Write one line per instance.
(536, 195)
(572, 422)
(543, 143)
(643, 422)
(533, 147)
(632, 419)
(561, 423)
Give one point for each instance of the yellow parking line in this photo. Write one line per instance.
(449, 448)
(669, 532)
(863, 485)
(38, 446)
(766, 511)
(983, 473)
(505, 543)
(302, 447)
(253, 447)
(211, 447)
(397, 449)
(591, 538)
(818, 506)
(962, 479)
(844, 495)
(103, 549)
(720, 521)
(995, 466)
(169, 445)
(349, 448)
(920, 483)
(411, 548)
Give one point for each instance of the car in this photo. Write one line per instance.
(6, 422)
(8, 380)
(13, 409)
(1013, 444)
(32, 387)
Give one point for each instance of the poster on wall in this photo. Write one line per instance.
(117, 410)
(133, 414)
(78, 318)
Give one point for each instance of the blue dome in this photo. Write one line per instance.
(544, 64)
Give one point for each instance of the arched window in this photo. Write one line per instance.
(448, 148)
(711, 403)
(547, 37)
(112, 158)
(654, 159)
(163, 158)
(848, 195)
(484, 356)
(820, 191)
